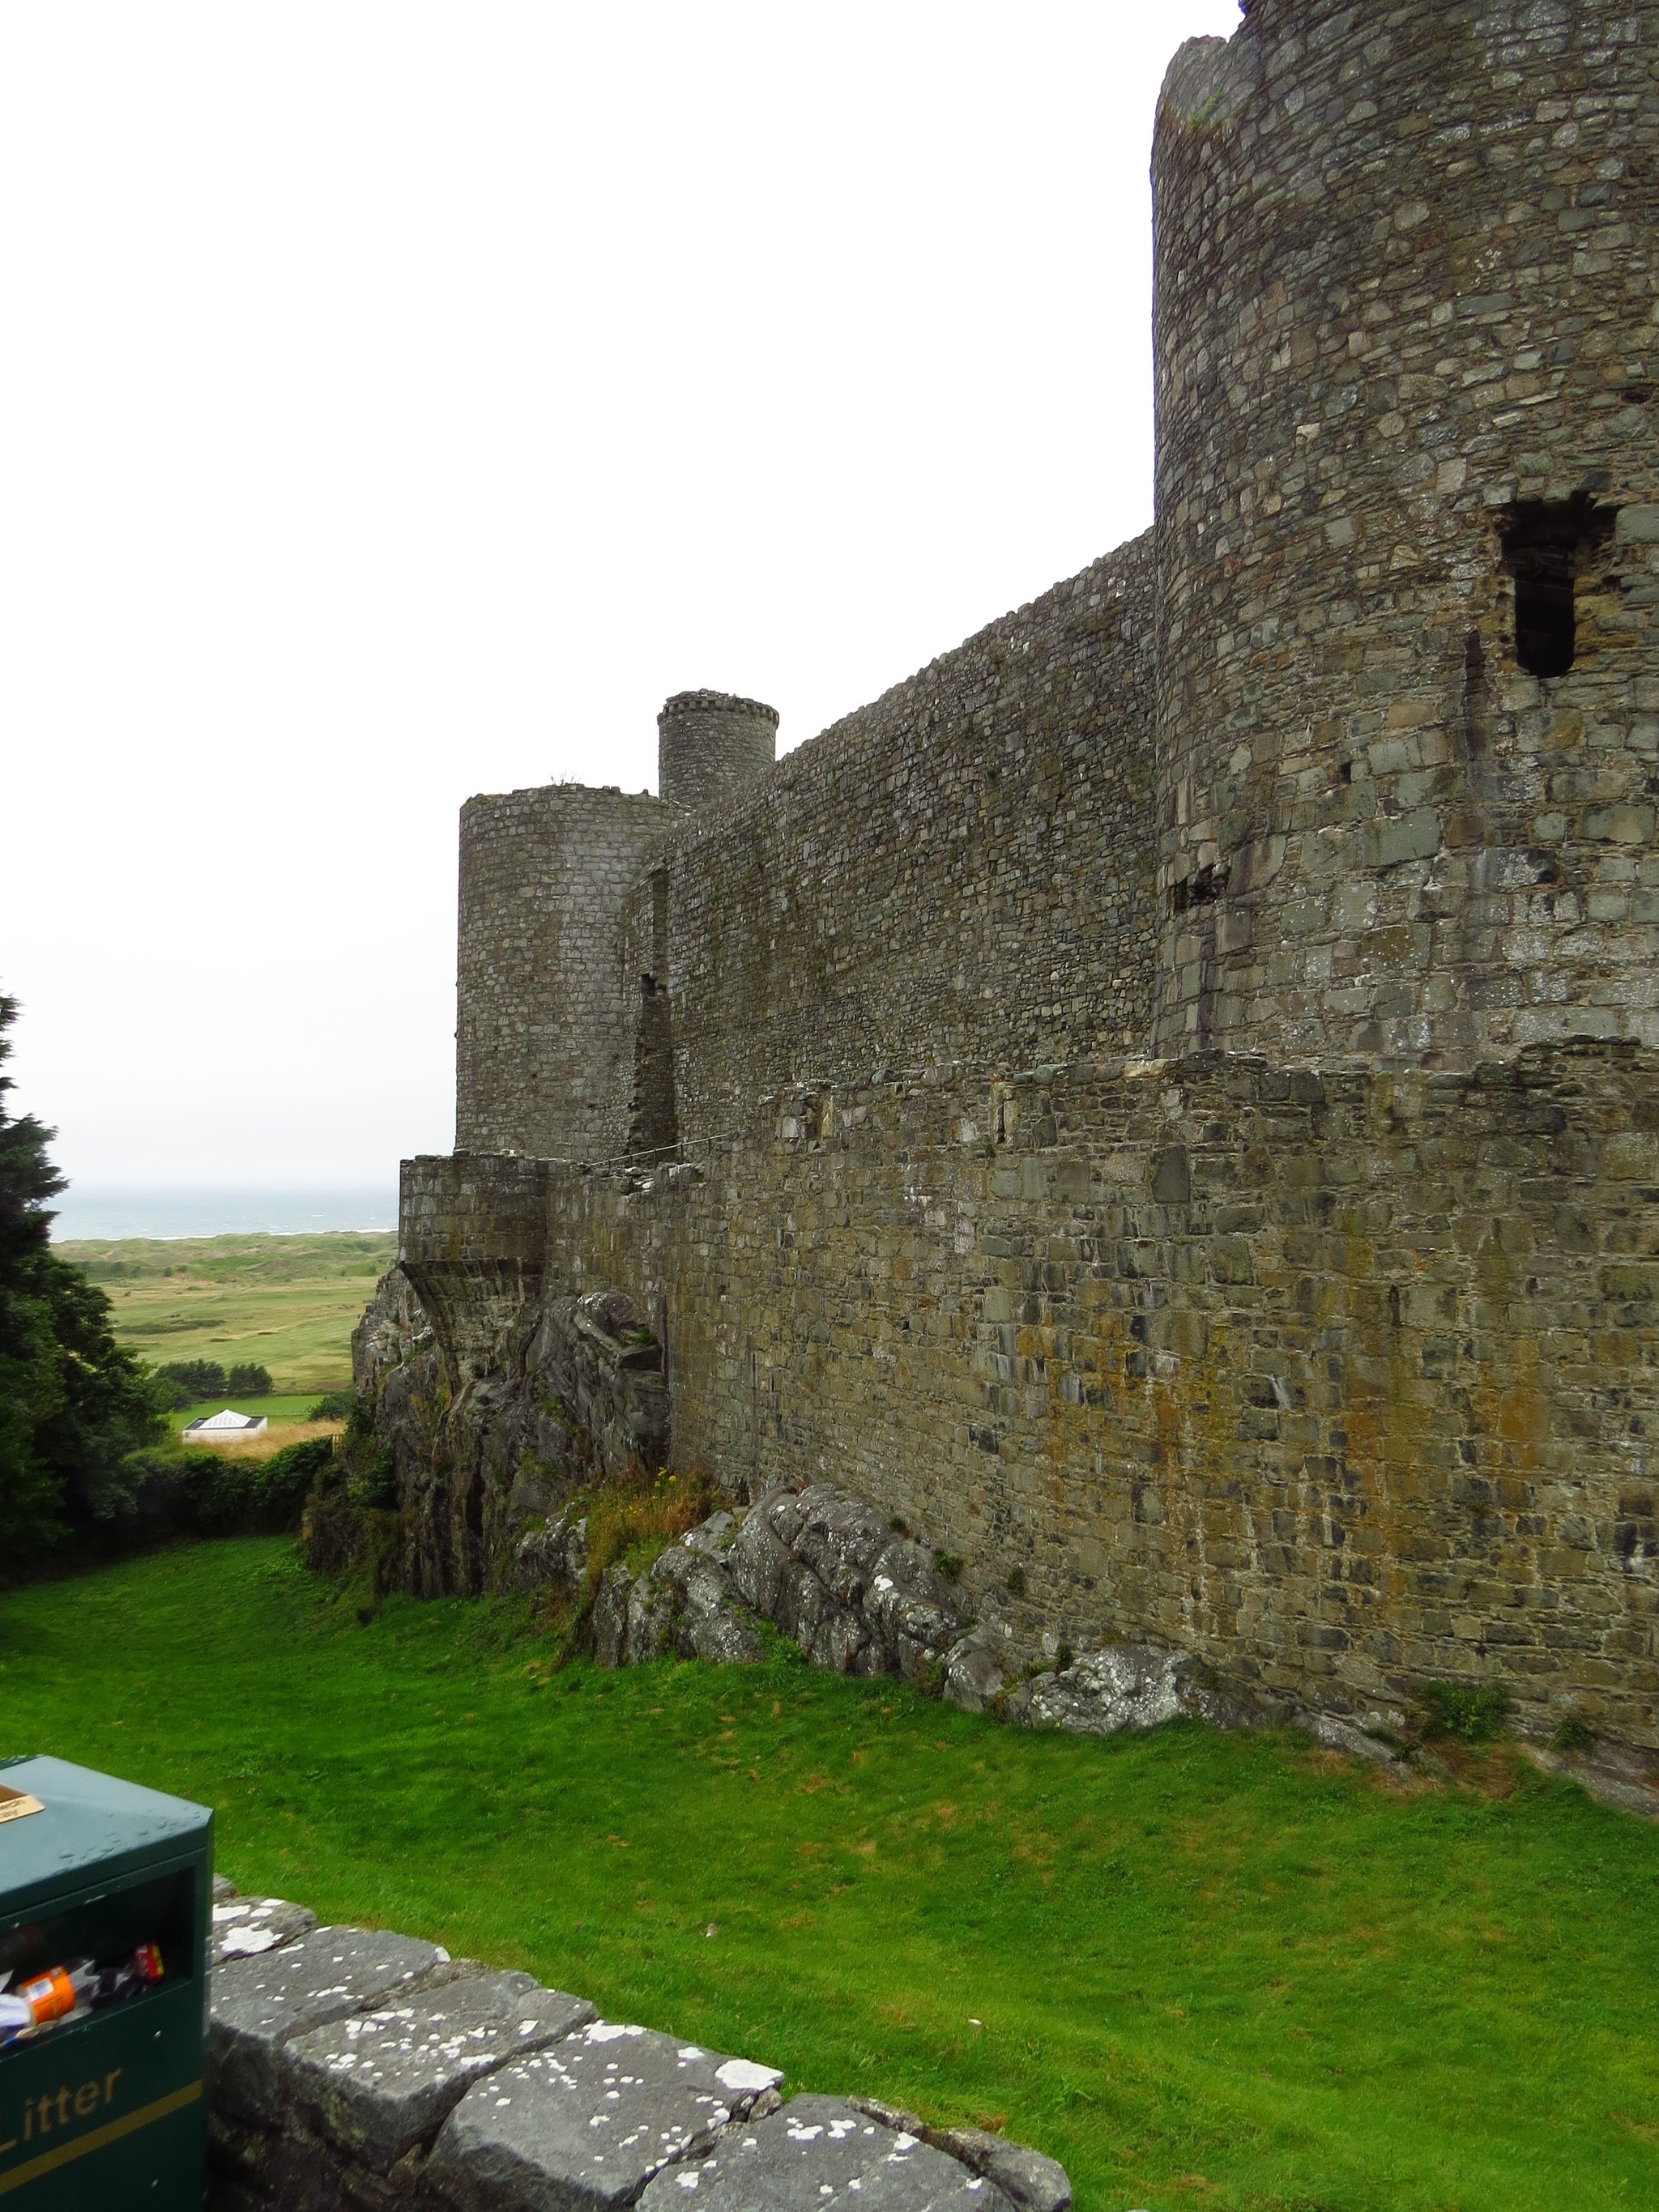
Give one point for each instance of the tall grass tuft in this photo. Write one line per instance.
(1466, 1712)
(639, 1518)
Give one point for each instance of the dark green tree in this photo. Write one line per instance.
(195, 1380)
(73, 1404)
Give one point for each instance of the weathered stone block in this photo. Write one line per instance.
(1414, 836)
(822, 2150)
(257, 2004)
(586, 2125)
(379, 2082)
(1031, 2182)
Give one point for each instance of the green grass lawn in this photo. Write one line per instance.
(290, 1303)
(1203, 1971)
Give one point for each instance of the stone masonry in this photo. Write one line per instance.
(963, 868)
(711, 748)
(1407, 276)
(544, 1038)
(1164, 1099)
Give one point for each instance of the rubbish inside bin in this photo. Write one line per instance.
(81, 1987)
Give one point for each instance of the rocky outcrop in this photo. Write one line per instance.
(861, 1598)
(552, 1552)
(487, 1457)
(856, 1596)
(352, 2068)
(1125, 1685)
(685, 1605)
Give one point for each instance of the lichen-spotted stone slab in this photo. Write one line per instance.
(248, 1927)
(258, 2003)
(581, 2126)
(816, 2153)
(379, 2082)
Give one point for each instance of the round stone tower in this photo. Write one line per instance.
(711, 748)
(1408, 533)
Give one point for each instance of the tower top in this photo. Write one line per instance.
(712, 746)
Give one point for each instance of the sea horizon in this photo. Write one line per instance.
(93, 1212)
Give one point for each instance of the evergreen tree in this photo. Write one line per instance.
(193, 1381)
(73, 1404)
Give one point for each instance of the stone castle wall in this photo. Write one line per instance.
(1322, 1348)
(1343, 1383)
(546, 1013)
(1408, 278)
(962, 869)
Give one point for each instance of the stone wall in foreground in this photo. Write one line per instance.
(349, 2067)
(1342, 1382)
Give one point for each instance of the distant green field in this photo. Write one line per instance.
(289, 1302)
(290, 1408)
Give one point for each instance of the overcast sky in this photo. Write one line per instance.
(399, 401)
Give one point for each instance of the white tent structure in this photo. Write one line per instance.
(224, 1428)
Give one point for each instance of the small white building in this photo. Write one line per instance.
(224, 1428)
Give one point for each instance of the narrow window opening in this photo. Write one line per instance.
(1547, 544)
(654, 1129)
(1203, 889)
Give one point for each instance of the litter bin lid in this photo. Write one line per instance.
(89, 1824)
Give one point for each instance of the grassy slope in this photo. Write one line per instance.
(289, 1302)
(1210, 1971)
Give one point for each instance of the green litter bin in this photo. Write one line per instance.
(102, 2111)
